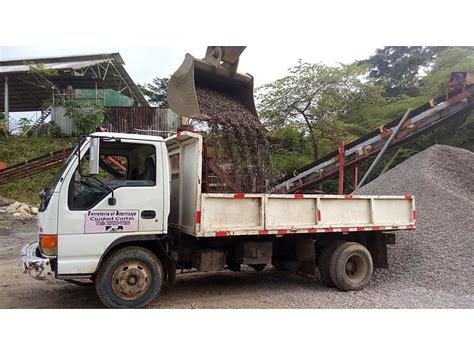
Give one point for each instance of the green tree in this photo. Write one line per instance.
(156, 92)
(321, 101)
(400, 69)
(290, 149)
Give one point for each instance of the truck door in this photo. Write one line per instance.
(124, 199)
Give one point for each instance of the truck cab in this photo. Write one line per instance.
(83, 215)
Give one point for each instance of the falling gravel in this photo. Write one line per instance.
(439, 254)
(238, 140)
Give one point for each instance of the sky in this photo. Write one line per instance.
(265, 63)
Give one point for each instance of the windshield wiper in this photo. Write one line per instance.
(112, 199)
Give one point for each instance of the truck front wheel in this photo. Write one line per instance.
(130, 277)
(350, 266)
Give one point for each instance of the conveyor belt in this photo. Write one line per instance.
(457, 101)
(34, 166)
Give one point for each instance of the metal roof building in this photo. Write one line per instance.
(23, 87)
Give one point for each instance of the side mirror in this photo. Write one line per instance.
(94, 156)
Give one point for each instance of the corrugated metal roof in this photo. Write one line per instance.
(24, 68)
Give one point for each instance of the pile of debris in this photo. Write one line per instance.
(237, 139)
(439, 253)
(17, 209)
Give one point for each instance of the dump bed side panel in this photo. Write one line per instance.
(256, 214)
(221, 212)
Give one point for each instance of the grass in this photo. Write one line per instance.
(14, 150)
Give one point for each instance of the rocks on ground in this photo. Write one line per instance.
(17, 209)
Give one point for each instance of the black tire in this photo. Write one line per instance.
(258, 267)
(130, 277)
(351, 266)
(324, 260)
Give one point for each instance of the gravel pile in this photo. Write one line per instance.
(238, 140)
(438, 255)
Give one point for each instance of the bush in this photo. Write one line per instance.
(86, 116)
(54, 130)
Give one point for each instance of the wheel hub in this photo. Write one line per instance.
(350, 267)
(131, 280)
(356, 268)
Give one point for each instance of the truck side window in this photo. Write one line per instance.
(120, 165)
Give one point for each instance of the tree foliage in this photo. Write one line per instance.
(40, 70)
(156, 92)
(322, 102)
(399, 69)
(2, 126)
(24, 124)
(85, 115)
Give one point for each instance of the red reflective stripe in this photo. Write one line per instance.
(198, 217)
(282, 231)
(240, 195)
(312, 230)
(178, 134)
(345, 229)
(408, 197)
(348, 197)
(329, 230)
(410, 226)
(299, 195)
(414, 214)
(360, 229)
(263, 231)
(222, 234)
(375, 228)
(319, 215)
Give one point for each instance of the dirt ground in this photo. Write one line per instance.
(226, 289)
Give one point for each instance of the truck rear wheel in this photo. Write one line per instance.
(350, 266)
(324, 260)
(130, 277)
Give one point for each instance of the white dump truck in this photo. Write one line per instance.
(127, 210)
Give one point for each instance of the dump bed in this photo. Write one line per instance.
(219, 215)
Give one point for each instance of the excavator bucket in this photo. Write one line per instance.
(195, 73)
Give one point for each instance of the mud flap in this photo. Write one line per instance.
(305, 257)
(377, 245)
(168, 264)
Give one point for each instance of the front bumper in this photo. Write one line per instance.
(34, 264)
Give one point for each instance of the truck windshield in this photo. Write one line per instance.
(47, 192)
